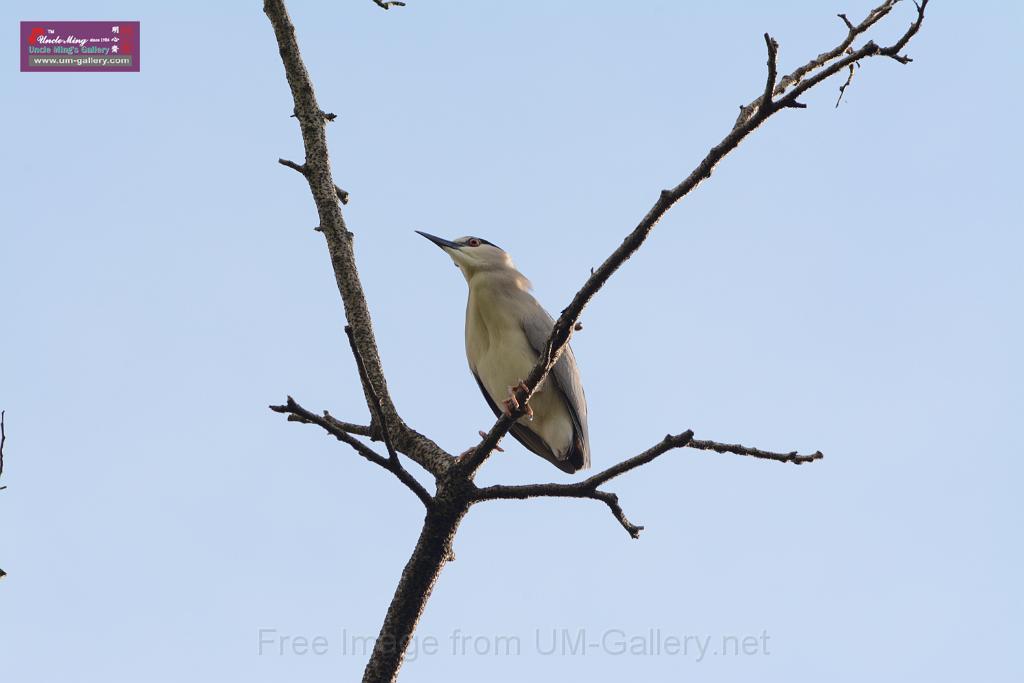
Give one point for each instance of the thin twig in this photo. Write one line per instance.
(797, 75)
(297, 413)
(562, 491)
(844, 86)
(792, 457)
(665, 445)
(351, 428)
(869, 49)
(773, 71)
(328, 116)
(893, 50)
(301, 168)
(291, 164)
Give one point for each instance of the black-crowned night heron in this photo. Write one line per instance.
(506, 330)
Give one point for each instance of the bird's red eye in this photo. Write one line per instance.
(473, 242)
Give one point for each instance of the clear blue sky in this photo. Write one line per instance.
(850, 280)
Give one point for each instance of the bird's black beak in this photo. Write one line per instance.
(440, 241)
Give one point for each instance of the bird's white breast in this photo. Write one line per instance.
(501, 356)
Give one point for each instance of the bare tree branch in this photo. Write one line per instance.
(791, 457)
(588, 488)
(297, 413)
(799, 81)
(844, 86)
(895, 49)
(562, 491)
(853, 32)
(869, 49)
(378, 423)
(317, 171)
(352, 428)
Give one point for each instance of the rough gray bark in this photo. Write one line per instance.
(456, 491)
(433, 550)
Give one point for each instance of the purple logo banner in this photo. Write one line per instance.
(79, 46)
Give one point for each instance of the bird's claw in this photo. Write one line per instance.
(511, 404)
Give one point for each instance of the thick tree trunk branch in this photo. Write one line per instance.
(317, 172)
(433, 550)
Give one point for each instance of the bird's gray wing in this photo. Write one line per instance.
(537, 325)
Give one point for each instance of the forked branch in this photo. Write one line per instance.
(343, 432)
(588, 488)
